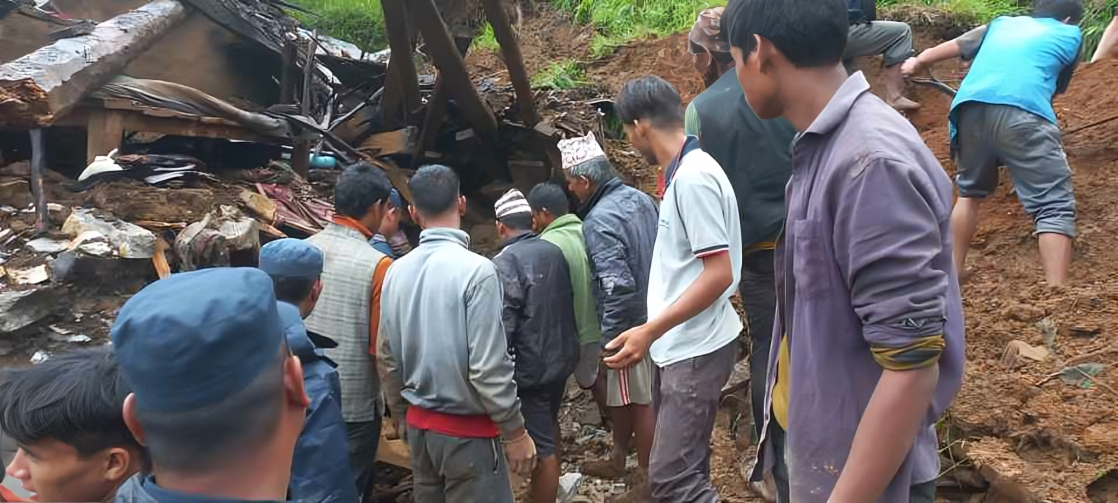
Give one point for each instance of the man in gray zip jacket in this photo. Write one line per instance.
(450, 377)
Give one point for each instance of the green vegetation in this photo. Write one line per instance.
(962, 12)
(618, 21)
(560, 75)
(487, 41)
(358, 21)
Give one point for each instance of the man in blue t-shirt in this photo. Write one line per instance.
(1003, 115)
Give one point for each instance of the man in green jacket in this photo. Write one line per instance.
(553, 220)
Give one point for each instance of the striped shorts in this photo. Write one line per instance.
(630, 386)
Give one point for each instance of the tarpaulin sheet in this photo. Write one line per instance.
(307, 215)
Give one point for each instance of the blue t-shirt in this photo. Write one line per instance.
(1019, 63)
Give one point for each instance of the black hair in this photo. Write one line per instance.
(810, 33)
(652, 98)
(76, 398)
(359, 188)
(293, 290)
(1059, 10)
(434, 189)
(550, 197)
(201, 440)
(518, 221)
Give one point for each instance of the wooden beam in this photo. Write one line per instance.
(436, 113)
(301, 154)
(38, 169)
(452, 67)
(510, 49)
(104, 132)
(46, 84)
(401, 141)
(402, 89)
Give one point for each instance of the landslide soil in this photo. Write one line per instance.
(1040, 435)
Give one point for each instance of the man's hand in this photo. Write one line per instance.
(911, 66)
(521, 452)
(631, 346)
(399, 430)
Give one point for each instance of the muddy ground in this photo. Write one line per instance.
(1014, 433)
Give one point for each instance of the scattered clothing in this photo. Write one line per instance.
(320, 470)
(454, 367)
(538, 312)
(687, 397)
(865, 281)
(566, 233)
(450, 469)
(698, 219)
(348, 309)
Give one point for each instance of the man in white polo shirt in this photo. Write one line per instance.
(692, 330)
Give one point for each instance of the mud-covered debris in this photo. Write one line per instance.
(6, 348)
(1023, 312)
(1048, 330)
(40, 357)
(92, 243)
(1081, 375)
(47, 245)
(568, 486)
(1105, 488)
(127, 240)
(32, 276)
(73, 339)
(208, 243)
(1080, 331)
(1018, 353)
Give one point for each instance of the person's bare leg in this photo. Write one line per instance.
(614, 467)
(545, 480)
(894, 90)
(1055, 256)
(598, 391)
(964, 223)
(644, 426)
(1108, 42)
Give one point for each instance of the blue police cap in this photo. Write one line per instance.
(291, 258)
(196, 338)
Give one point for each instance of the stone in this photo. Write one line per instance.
(127, 240)
(16, 193)
(19, 309)
(568, 486)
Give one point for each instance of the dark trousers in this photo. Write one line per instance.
(758, 297)
(686, 396)
(362, 441)
(458, 470)
(920, 493)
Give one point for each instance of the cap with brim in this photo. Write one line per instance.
(195, 339)
(291, 258)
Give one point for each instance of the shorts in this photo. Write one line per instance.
(540, 408)
(1030, 147)
(586, 373)
(630, 386)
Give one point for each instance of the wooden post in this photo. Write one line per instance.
(436, 111)
(451, 67)
(510, 49)
(38, 150)
(288, 75)
(301, 154)
(402, 86)
(104, 131)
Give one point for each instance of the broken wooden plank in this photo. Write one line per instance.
(401, 141)
(105, 131)
(514, 61)
(44, 85)
(452, 67)
(402, 89)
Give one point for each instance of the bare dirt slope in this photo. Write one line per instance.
(1034, 436)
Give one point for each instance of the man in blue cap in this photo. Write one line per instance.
(218, 398)
(321, 469)
(389, 226)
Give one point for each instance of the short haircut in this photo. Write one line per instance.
(650, 98)
(435, 189)
(598, 170)
(199, 440)
(550, 197)
(293, 290)
(517, 221)
(810, 33)
(76, 398)
(1059, 10)
(359, 187)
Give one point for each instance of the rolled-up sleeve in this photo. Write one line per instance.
(886, 237)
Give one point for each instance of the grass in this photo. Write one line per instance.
(618, 21)
(358, 21)
(487, 41)
(560, 75)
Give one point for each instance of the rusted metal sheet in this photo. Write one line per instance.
(42, 86)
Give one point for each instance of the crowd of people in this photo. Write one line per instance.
(786, 183)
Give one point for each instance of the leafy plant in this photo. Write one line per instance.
(360, 22)
(617, 21)
(560, 75)
(487, 41)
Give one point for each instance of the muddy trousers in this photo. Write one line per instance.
(686, 396)
(362, 441)
(920, 493)
(758, 298)
(449, 469)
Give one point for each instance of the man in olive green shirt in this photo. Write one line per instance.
(552, 218)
